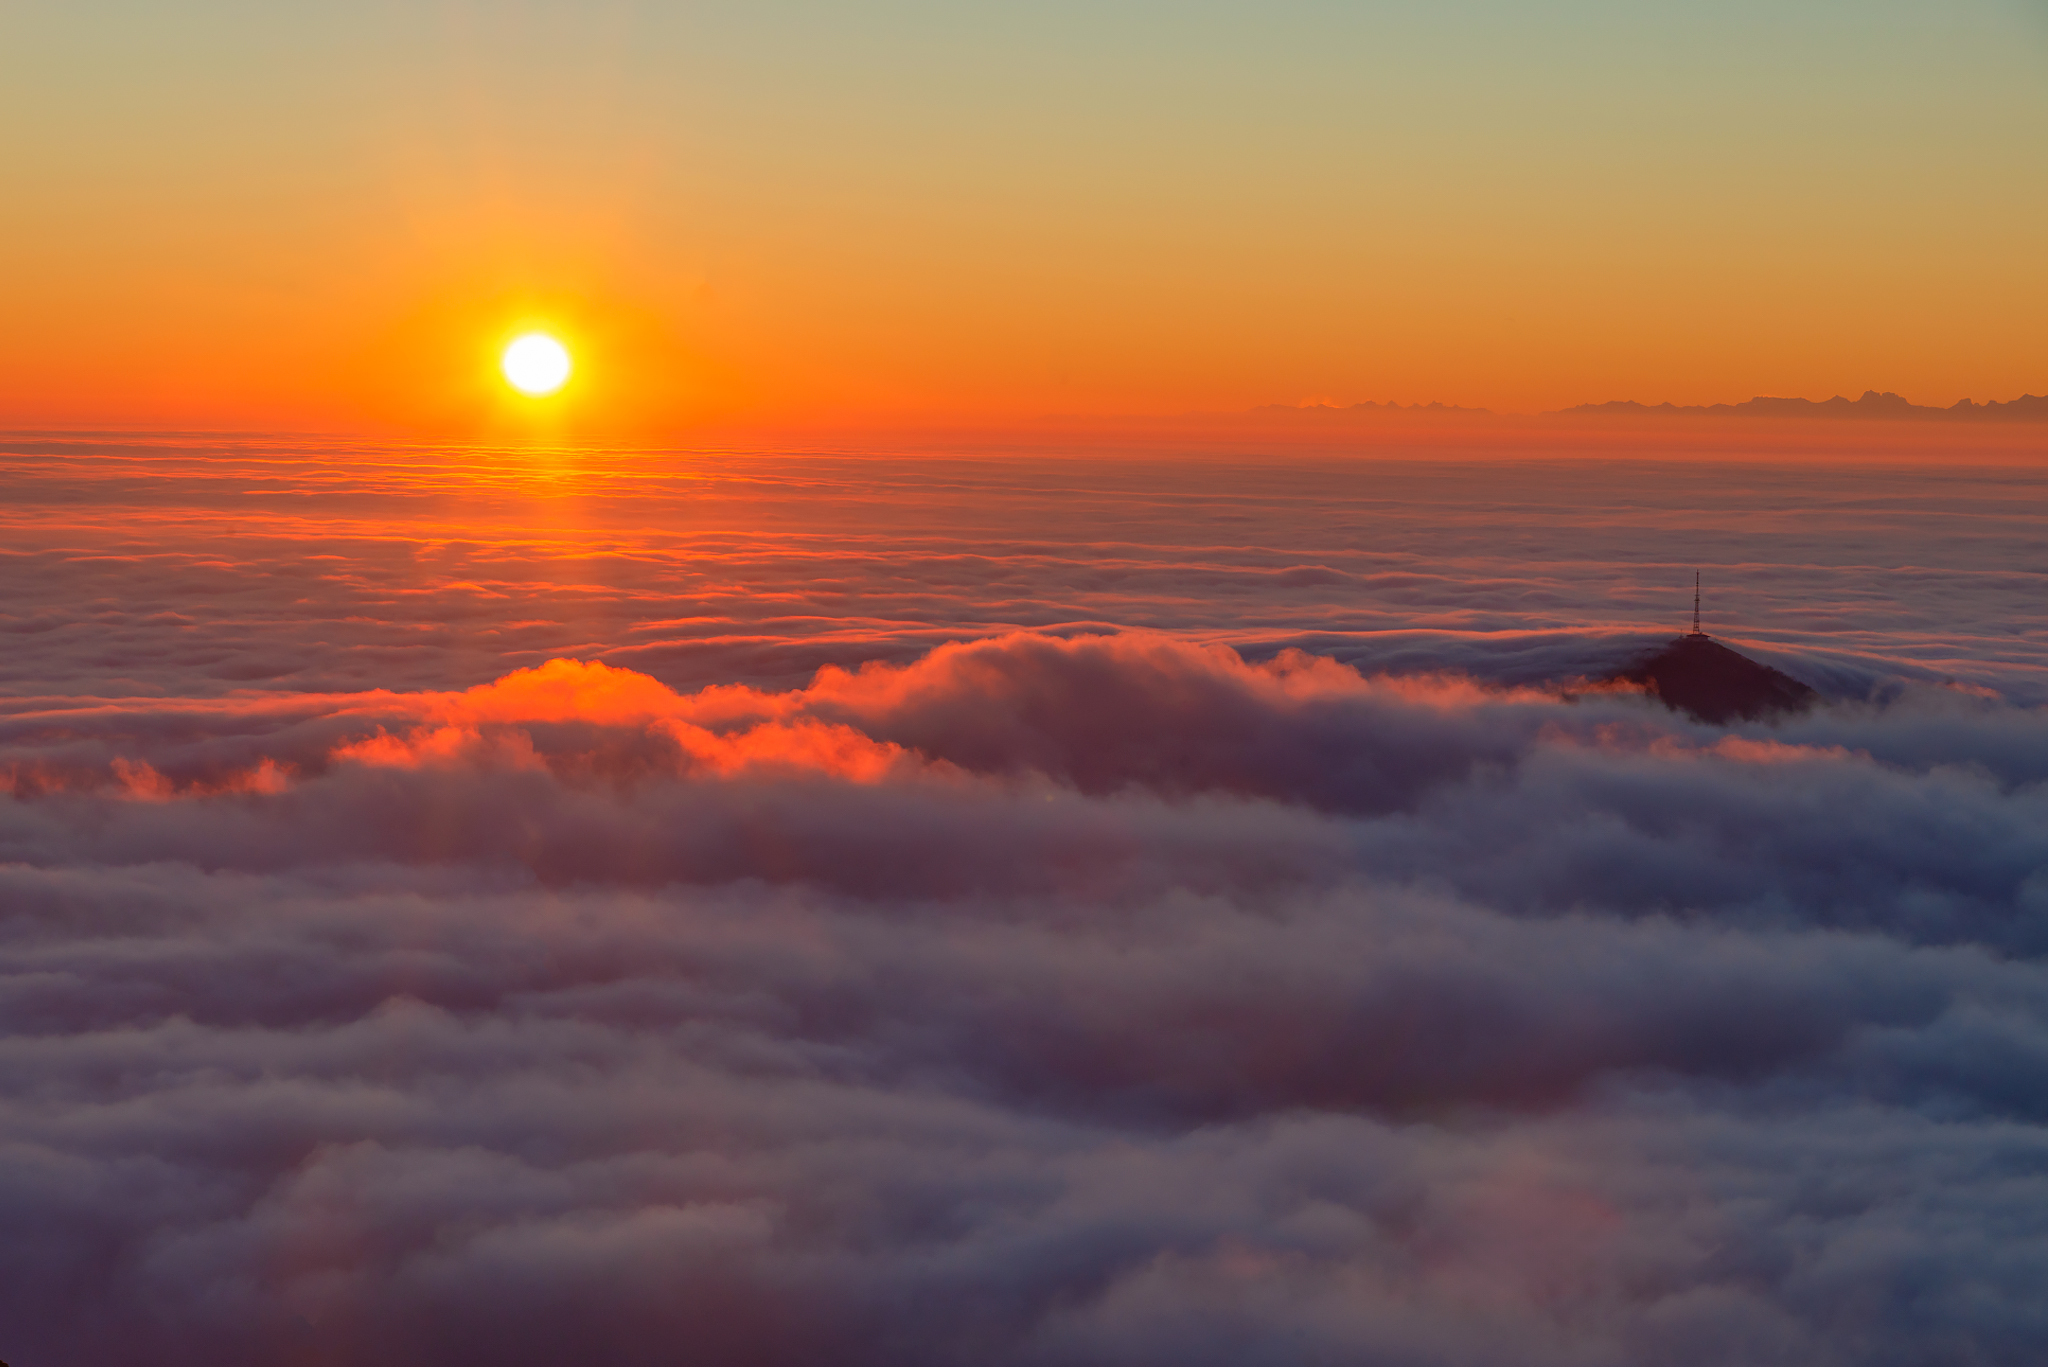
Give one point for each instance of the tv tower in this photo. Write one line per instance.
(1696, 604)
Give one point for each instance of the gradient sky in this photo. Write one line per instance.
(229, 214)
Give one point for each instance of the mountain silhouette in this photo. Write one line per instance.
(1872, 406)
(1704, 679)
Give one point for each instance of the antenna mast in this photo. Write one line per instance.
(1695, 602)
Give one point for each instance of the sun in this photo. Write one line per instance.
(536, 364)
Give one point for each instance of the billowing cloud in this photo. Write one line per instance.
(1095, 994)
(1105, 999)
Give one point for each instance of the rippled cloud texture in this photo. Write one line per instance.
(798, 910)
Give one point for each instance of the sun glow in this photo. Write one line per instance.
(536, 364)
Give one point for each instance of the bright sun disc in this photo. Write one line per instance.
(536, 364)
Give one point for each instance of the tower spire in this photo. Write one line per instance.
(1695, 602)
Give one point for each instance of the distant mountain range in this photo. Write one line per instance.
(1872, 406)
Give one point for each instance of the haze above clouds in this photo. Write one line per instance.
(447, 916)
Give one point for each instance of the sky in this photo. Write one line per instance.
(230, 216)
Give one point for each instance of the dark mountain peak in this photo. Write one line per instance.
(1699, 676)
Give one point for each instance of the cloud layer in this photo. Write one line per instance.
(195, 568)
(1071, 996)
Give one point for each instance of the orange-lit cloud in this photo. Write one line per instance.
(482, 724)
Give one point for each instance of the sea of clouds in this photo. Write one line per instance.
(1013, 910)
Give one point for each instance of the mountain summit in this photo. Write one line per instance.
(1704, 679)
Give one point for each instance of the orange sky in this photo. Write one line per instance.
(223, 215)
